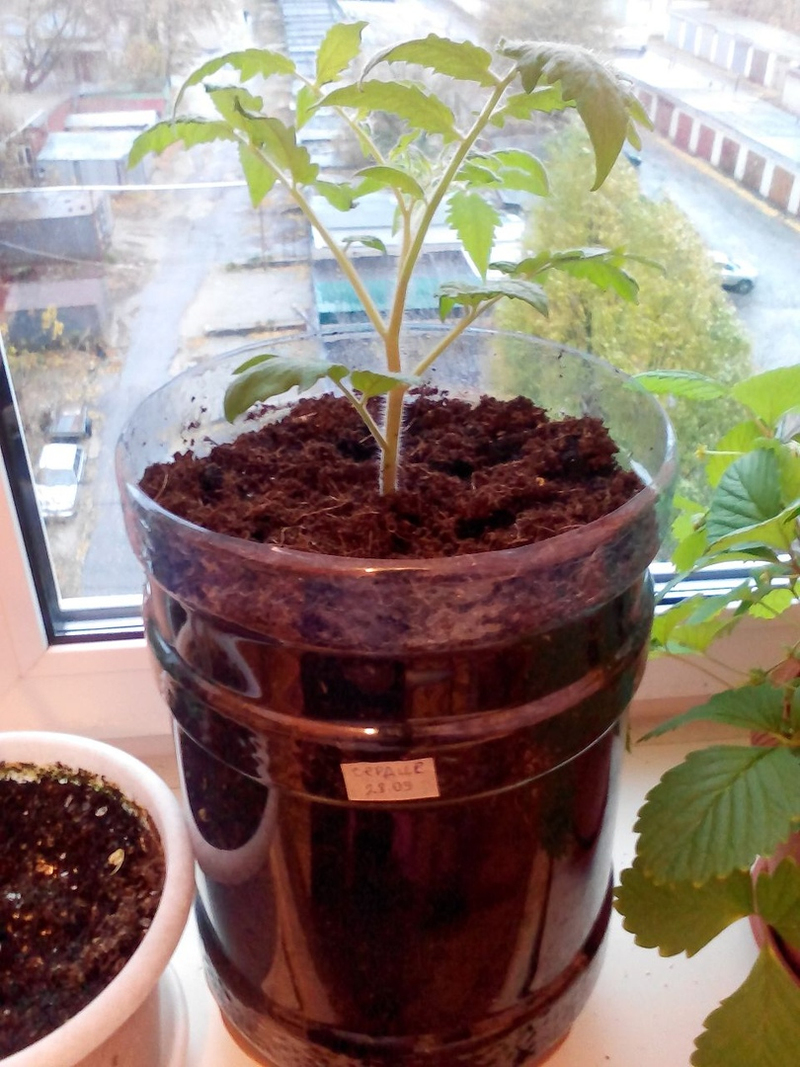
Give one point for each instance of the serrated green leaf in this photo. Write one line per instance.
(269, 375)
(338, 194)
(392, 178)
(757, 708)
(461, 60)
(519, 170)
(473, 294)
(304, 103)
(758, 1025)
(234, 103)
(367, 240)
(422, 110)
(741, 438)
(603, 100)
(683, 383)
(278, 143)
(788, 460)
(475, 221)
(523, 105)
(260, 177)
(778, 900)
(190, 131)
(773, 603)
(602, 272)
(717, 811)
(770, 394)
(679, 916)
(250, 63)
(373, 383)
(690, 549)
(474, 174)
(339, 47)
(747, 497)
(675, 630)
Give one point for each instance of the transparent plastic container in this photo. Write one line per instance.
(401, 775)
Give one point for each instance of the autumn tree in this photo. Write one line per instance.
(682, 320)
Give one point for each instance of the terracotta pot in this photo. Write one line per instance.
(401, 775)
(139, 1019)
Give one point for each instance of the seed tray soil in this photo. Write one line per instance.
(495, 475)
(81, 875)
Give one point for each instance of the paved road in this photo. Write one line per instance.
(729, 218)
(193, 244)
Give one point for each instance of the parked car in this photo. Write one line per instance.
(735, 275)
(71, 425)
(58, 474)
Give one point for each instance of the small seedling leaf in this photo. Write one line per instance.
(392, 178)
(269, 375)
(423, 111)
(190, 131)
(461, 60)
(603, 100)
(340, 46)
(250, 63)
(473, 294)
(475, 221)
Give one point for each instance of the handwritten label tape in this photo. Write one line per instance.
(392, 781)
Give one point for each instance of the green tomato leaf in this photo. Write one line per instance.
(679, 916)
(373, 383)
(472, 295)
(474, 174)
(250, 63)
(340, 46)
(778, 900)
(602, 271)
(278, 143)
(304, 102)
(718, 810)
(752, 708)
(269, 375)
(683, 383)
(603, 99)
(475, 221)
(190, 131)
(367, 240)
(518, 170)
(758, 1025)
(523, 105)
(260, 177)
(771, 394)
(422, 110)
(338, 194)
(461, 60)
(392, 178)
(745, 501)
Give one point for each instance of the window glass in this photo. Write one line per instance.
(112, 279)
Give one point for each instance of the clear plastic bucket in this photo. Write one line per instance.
(401, 775)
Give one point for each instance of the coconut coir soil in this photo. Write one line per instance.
(474, 478)
(81, 874)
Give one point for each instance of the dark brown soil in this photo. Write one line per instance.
(475, 478)
(81, 874)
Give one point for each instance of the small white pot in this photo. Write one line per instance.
(139, 1019)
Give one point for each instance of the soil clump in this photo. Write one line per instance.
(81, 876)
(475, 478)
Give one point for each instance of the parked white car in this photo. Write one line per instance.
(735, 275)
(58, 474)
